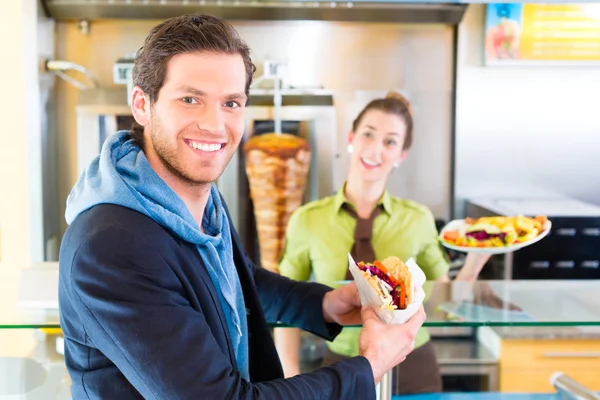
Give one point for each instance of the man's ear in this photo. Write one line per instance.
(140, 106)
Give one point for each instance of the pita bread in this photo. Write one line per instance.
(401, 273)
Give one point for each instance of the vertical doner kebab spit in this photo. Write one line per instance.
(277, 166)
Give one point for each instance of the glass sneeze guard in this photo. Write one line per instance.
(452, 304)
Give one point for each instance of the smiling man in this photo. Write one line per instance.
(158, 300)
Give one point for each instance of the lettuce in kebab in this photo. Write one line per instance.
(391, 279)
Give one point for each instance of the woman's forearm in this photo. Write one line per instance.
(287, 342)
(474, 263)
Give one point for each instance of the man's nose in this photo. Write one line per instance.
(212, 119)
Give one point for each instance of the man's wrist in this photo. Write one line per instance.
(377, 375)
(326, 317)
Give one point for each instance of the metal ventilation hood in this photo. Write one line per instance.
(399, 11)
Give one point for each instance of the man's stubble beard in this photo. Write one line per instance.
(171, 162)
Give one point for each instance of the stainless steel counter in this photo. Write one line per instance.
(459, 351)
(466, 365)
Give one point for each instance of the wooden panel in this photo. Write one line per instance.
(580, 354)
(538, 381)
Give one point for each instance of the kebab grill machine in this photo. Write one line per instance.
(290, 135)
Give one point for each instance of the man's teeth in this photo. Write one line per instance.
(205, 147)
(370, 163)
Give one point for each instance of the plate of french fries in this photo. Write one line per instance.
(494, 234)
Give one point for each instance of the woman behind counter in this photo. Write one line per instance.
(366, 220)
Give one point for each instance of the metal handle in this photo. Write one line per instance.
(385, 387)
(277, 103)
(572, 354)
(591, 231)
(590, 264)
(539, 264)
(59, 67)
(565, 264)
(566, 231)
(571, 389)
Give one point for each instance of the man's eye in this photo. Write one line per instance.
(231, 104)
(189, 100)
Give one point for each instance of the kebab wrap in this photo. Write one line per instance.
(393, 288)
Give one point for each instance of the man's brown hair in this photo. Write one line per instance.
(180, 35)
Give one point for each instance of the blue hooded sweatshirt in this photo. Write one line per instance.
(122, 175)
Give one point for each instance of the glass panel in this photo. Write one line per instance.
(31, 367)
(453, 304)
(510, 303)
(17, 318)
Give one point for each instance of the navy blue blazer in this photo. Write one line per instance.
(141, 319)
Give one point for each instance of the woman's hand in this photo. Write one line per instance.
(474, 263)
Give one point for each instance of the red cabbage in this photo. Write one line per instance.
(381, 275)
(396, 297)
(483, 235)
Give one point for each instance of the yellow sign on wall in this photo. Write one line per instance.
(517, 34)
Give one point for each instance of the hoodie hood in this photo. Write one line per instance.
(122, 175)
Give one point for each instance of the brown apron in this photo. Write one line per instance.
(419, 373)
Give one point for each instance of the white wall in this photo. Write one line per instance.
(20, 160)
(20, 152)
(524, 131)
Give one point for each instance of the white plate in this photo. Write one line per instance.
(459, 223)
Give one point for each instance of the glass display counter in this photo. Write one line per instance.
(535, 304)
